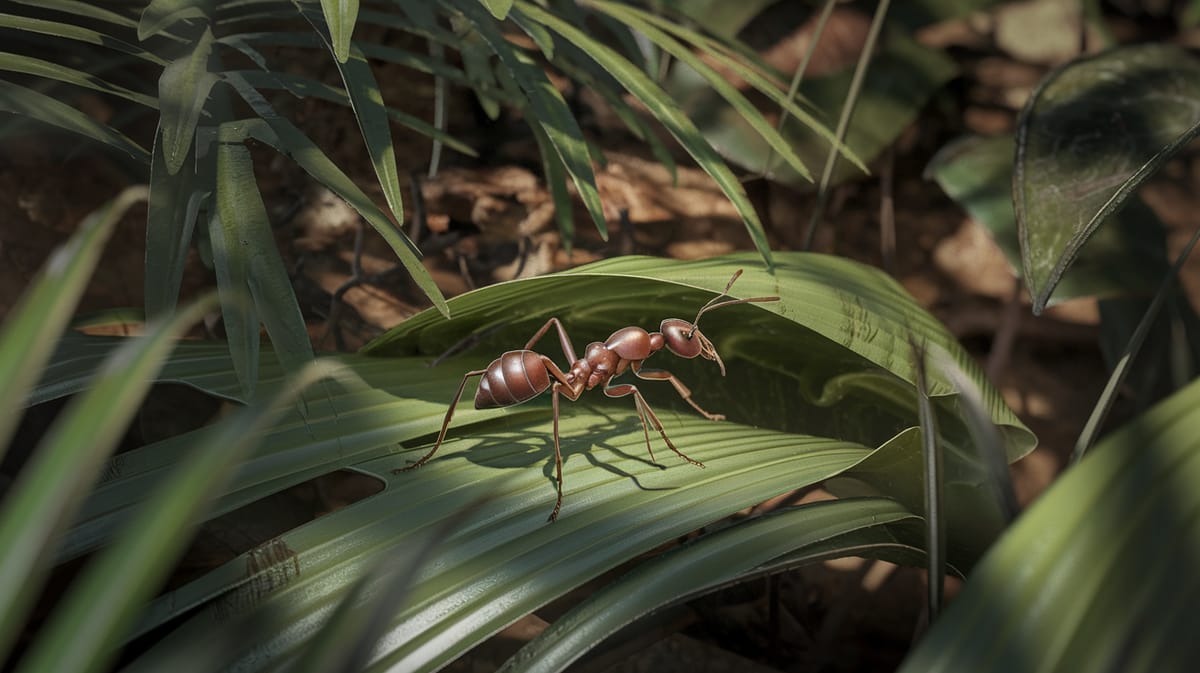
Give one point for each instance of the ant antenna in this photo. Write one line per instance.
(715, 303)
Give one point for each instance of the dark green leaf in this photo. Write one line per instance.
(171, 218)
(182, 91)
(1092, 132)
(1098, 575)
(340, 16)
(160, 15)
(47, 110)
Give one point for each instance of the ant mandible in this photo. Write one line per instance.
(520, 376)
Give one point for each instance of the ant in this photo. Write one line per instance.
(520, 376)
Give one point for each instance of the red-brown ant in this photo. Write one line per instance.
(520, 376)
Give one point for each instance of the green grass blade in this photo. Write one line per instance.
(159, 15)
(281, 134)
(48, 110)
(701, 565)
(369, 111)
(548, 109)
(340, 17)
(66, 462)
(716, 80)
(77, 33)
(249, 242)
(182, 91)
(84, 632)
(667, 112)
(932, 481)
(175, 201)
(45, 308)
(29, 65)
(498, 8)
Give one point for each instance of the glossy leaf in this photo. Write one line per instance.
(1092, 132)
(1126, 258)
(804, 534)
(1098, 574)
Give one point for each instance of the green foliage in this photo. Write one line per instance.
(198, 51)
(845, 326)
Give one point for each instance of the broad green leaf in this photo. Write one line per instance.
(1092, 132)
(548, 110)
(340, 16)
(250, 245)
(84, 632)
(369, 111)
(666, 111)
(45, 308)
(37, 67)
(281, 134)
(1127, 258)
(182, 91)
(1098, 574)
(67, 460)
(903, 76)
(160, 15)
(808, 533)
(175, 201)
(48, 110)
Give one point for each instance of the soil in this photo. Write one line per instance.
(491, 219)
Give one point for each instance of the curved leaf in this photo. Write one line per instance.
(175, 201)
(340, 16)
(67, 459)
(807, 533)
(77, 33)
(37, 67)
(160, 15)
(1127, 258)
(182, 91)
(47, 110)
(1098, 575)
(45, 308)
(1092, 132)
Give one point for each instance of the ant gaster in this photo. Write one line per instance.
(520, 376)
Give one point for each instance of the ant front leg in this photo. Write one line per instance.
(684, 392)
(445, 423)
(645, 411)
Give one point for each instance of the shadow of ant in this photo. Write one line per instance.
(496, 450)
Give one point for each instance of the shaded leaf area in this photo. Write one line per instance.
(1127, 258)
(1123, 263)
(1099, 574)
(902, 78)
(867, 526)
(1092, 132)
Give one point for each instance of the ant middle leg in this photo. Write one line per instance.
(684, 392)
(630, 389)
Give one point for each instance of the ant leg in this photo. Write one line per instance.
(563, 339)
(558, 461)
(629, 389)
(663, 375)
(445, 423)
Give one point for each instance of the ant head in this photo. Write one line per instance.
(685, 339)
